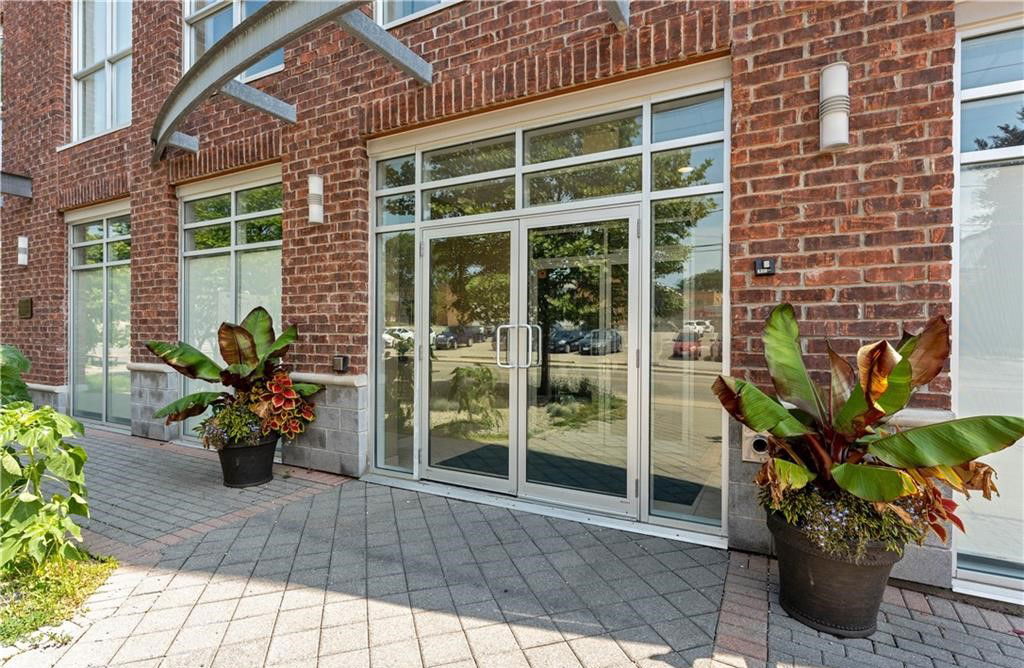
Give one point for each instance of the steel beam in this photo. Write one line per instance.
(619, 11)
(366, 29)
(184, 142)
(15, 185)
(257, 99)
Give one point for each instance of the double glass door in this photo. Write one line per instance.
(531, 369)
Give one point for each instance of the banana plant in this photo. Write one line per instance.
(252, 353)
(841, 438)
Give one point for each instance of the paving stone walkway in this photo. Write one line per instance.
(316, 570)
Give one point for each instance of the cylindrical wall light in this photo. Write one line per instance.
(23, 251)
(316, 198)
(834, 107)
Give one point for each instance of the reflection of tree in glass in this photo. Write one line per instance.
(262, 229)
(672, 169)
(473, 158)
(398, 264)
(603, 136)
(264, 198)
(612, 177)
(472, 198)
(210, 208)
(455, 263)
(1011, 135)
(211, 237)
(400, 172)
(400, 207)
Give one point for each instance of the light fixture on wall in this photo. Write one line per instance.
(23, 251)
(834, 107)
(316, 198)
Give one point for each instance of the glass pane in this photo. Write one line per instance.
(207, 303)
(87, 344)
(396, 209)
(688, 117)
(217, 236)
(119, 250)
(578, 304)
(396, 172)
(469, 199)
(259, 229)
(122, 25)
(396, 309)
(592, 135)
(690, 166)
(264, 198)
(686, 355)
(88, 255)
(123, 91)
(472, 158)
(469, 393)
(119, 227)
(396, 9)
(259, 283)
(119, 390)
(992, 59)
(93, 32)
(210, 208)
(613, 177)
(275, 58)
(88, 232)
(992, 123)
(206, 32)
(991, 365)
(92, 103)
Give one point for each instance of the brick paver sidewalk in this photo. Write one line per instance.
(308, 571)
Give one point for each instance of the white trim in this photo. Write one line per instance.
(218, 185)
(974, 17)
(95, 213)
(994, 90)
(978, 584)
(546, 510)
(358, 380)
(83, 140)
(378, 13)
(150, 367)
(991, 155)
(40, 387)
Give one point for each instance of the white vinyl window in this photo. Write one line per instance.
(101, 66)
(394, 12)
(206, 21)
(989, 361)
(231, 261)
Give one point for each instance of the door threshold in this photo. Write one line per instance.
(501, 501)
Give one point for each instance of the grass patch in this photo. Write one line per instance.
(48, 596)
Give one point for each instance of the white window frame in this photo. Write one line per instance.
(968, 581)
(644, 93)
(378, 13)
(190, 16)
(110, 59)
(229, 185)
(101, 213)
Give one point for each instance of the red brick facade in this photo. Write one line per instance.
(863, 237)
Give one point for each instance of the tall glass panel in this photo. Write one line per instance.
(469, 392)
(259, 284)
(208, 303)
(92, 105)
(87, 344)
(396, 350)
(578, 305)
(122, 91)
(991, 355)
(119, 319)
(93, 35)
(686, 356)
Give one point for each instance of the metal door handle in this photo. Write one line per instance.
(497, 346)
(540, 343)
(529, 348)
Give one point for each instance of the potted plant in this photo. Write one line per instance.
(262, 403)
(845, 490)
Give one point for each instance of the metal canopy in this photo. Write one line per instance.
(15, 184)
(266, 30)
(619, 11)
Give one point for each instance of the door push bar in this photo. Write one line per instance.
(529, 346)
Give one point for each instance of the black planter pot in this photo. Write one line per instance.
(248, 465)
(825, 593)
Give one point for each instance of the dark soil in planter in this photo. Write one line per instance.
(828, 594)
(248, 465)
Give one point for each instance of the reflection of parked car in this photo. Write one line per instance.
(692, 327)
(705, 326)
(601, 342)
(565, 340)
(399, 332)
(451, 338)
(686, 345)
(389, 339)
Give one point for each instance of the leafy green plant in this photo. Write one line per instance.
(575, 403)
(13, 364)
(474, 389)
(260, 383)
(228, 424)
(37, 523)
(839, 442)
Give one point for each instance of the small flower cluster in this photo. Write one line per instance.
(281, 408)
(230, 424)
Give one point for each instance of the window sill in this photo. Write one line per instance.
(90, 138)
(259, 75)
(418, 15)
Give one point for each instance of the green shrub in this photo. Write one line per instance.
(12, 365)
(230, 424)
(37, 526)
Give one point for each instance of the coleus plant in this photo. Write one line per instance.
(840, 439)
(254, 374)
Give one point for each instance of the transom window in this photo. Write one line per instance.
(101, 66)
(206, 21)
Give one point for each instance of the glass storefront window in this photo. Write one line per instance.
(599, 179)
(592, 135)
(992, 123)
(688, 117)
(690, 166)
(469, 199)
(992, 59)
(475, 157)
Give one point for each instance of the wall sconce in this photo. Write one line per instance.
(834, 107)
(23, 251)
(316, 198)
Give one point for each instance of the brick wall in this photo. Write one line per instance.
(863, 237)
